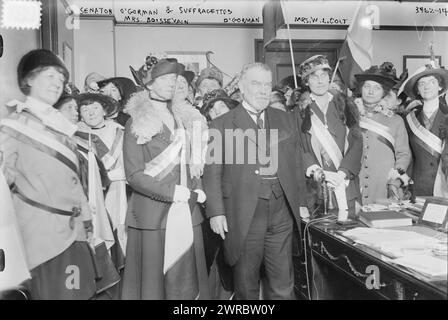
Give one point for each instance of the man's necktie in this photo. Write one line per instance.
(260, 123)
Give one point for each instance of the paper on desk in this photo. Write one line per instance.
(426, 264)
(396, 243)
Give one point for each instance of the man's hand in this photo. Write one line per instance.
(316, 172)
(219, 225)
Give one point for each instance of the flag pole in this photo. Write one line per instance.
(290, 44)
(335, 70)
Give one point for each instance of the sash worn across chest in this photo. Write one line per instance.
(326, 140)
(379, 131)
(110, 158)
(41, 141)
(423, 137)
(160, 166)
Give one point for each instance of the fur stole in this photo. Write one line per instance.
(347, 110)
(146, 122)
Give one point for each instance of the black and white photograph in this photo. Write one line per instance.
(223, 155)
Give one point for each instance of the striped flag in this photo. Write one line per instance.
(13, 268)
(356, 52)
(272, 20)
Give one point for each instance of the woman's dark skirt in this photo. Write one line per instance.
(68, 276)
(143, 273)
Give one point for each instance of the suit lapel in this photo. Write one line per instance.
(275, 123)
(243, 121)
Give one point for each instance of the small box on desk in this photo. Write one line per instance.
(385, 219)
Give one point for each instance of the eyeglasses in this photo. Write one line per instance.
(321, 76)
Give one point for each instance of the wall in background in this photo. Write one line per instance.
(232, 47)
(94, 49)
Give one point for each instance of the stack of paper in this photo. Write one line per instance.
(395, 243)
(409, 249)
(426, 264)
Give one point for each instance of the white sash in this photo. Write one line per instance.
(42, 138)
(110, 158)
(168, 158)
(427, 137)
(179, 226)
(320, 132)
(377, 128)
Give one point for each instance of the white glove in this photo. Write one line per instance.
(335, 178)
(201, 195)
(181, 194)
(304, 213)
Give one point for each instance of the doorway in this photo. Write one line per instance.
(277, 54)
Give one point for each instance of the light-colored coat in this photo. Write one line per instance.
(45, 180)
(378, 159)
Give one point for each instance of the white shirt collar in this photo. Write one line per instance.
(49, 116)
(313, 98)
(430, 106)
(250, 108)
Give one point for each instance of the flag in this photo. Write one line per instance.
(13, 268)
(102, 231)
(272, 20)
(356, 52)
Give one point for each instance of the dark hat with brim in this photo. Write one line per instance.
(145, 76)
(214, 96)
(125, 85)
(109, 105)
(189, 76)
(39, 58)
(378, 75)
(410, 86)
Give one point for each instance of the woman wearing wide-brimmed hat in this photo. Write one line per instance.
(386, 152)
(217, 103)
(95, 182)
(120, 89)
(42, 170)
(427, 125)
(331, 136)
(95, 110)
(165, 250)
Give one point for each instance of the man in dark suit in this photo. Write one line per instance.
(253, 200)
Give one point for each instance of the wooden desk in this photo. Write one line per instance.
(344, 270)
